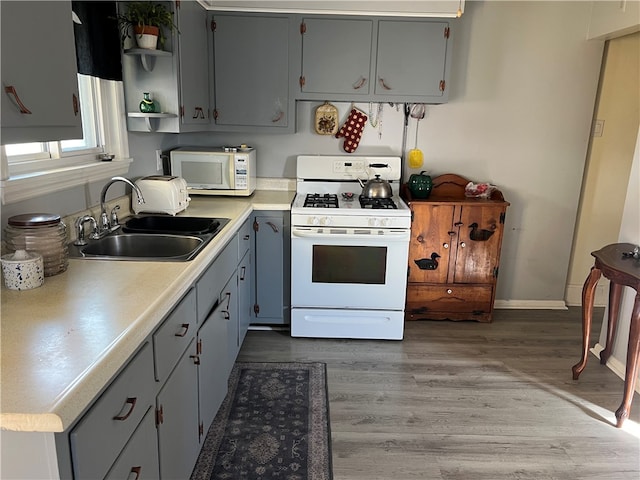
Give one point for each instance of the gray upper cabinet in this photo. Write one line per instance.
(39, 74)
(194, 67)
(177, 77)
(251, 73)
(374, 59)
(411, 58)
(336, 56)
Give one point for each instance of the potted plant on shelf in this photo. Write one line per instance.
(147, 20)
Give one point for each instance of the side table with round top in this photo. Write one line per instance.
(620, 263)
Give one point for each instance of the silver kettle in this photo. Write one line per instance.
(376, 188)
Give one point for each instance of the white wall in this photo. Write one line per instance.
(522, 94)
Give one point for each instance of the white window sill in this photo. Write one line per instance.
(32, 185)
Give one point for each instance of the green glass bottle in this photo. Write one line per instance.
(148, 105)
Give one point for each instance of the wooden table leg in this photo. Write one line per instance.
(615, 294)
(588, 293)
(633, 349)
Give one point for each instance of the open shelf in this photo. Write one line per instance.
(147, 56)
(151, 119)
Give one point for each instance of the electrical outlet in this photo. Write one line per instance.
(159, 160)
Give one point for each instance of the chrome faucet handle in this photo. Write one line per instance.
(114, 216)
(79, 224)
(105, 225)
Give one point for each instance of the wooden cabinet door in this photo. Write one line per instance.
(411, 58)
(430, 243)
(194, 66)
(336, 56)
(479, 239)
(39, 62)
(251, 70)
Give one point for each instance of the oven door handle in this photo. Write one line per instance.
(388, 235)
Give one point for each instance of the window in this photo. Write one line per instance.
(33, 169)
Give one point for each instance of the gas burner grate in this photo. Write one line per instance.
(319, 200)
(368, 202)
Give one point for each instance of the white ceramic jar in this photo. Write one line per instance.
(22, 270)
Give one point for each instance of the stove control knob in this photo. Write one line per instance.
(325, 221)
(384, 222)
(314, 221)
(374, 222)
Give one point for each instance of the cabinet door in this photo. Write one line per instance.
(229, 304)
(251, 70)
(479, 241)
(98, 438)
(139, 459)
(269, 269)
(212, 354)
(177, 412)
(194, 70)
(39, 62)
(244, 296)
(336, 56)
(430, 244)
(411, 58)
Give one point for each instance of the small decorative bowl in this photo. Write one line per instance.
(23, 270)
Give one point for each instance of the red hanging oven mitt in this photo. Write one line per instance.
(352, 130)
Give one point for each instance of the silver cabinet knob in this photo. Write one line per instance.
(445, 245)
(462, 244)
(449, 291)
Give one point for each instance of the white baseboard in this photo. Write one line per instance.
(615, 365)
(531, 304)
(574, 294)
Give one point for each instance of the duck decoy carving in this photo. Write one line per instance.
(428, 263)
(479, 235)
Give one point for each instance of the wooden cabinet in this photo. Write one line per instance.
(379, 60)
(271, 303)
(177, 77)
(251, 72)
(39, 73)
(454, 252)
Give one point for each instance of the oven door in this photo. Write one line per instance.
(347, 268)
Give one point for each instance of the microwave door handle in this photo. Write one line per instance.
(232, 171)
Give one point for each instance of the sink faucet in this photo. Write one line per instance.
(105, 224)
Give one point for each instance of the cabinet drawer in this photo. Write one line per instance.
(214, 279)
(244, 239)
(453, 301)
(103, 432)
(139, 459)
(174, 335)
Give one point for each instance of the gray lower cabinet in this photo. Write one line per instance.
(97, 440)
(271, 303)
(211, 350)
(139, 459)
(176, 381)
(250, 56)
(177, 419)
(39, 75)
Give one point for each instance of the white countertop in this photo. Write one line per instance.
(62, 343)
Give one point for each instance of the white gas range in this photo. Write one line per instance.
(348, 252)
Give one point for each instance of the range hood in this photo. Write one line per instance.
(416, 8)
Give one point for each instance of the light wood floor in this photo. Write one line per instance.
(469, 401)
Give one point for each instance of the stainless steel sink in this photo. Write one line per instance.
(156, 238)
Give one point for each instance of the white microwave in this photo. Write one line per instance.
(215, 171)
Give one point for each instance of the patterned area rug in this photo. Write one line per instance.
(273, 424)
